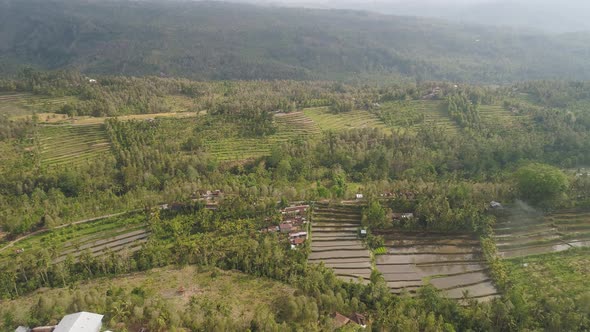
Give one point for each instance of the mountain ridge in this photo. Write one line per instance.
(214, 40)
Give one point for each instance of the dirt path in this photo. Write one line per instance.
(13, 242)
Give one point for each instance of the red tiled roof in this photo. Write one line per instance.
(298, 241)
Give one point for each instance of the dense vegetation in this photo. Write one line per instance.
(495, 144)
(211, 40)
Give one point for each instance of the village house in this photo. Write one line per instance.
(297, 238)
(293, 218)
(355, 319)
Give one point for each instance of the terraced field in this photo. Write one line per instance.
(349, 120)
(116, 234)
(72, 144)
(16, 105)
(335, 242)
(290, 126)
(497, 116)
(129, 240)
(451, 263)
(436, 115)
(522, 232)
(416, 113)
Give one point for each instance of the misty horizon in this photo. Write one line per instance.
(544, 15)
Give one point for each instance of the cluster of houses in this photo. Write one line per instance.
(293, 224)
(408, 195)
(210, 198)
(78, 322)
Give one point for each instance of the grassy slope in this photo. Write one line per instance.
(240, 293)
(563, 274)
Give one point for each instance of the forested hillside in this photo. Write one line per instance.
(208, 40)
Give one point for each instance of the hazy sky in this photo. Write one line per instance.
(548, 15)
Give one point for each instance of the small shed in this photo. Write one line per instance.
(22, 329)
(80, 322)
(359, 196)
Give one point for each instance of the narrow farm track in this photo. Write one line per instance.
(336, 244)
(451, 263)
(72, 144)
(522, 233)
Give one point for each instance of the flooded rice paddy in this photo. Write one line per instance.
(521, 231)
(335, 242)
(451, 263)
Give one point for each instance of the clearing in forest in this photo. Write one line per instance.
(335, 242)
(289, 126)
(72, 144)
(356, 119)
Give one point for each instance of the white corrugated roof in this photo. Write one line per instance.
(80, 322)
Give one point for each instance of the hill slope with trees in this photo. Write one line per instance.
(209, 40)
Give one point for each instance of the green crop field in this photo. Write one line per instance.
(72, 144)
(563, 274)
(349, 120)
(289, 126)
